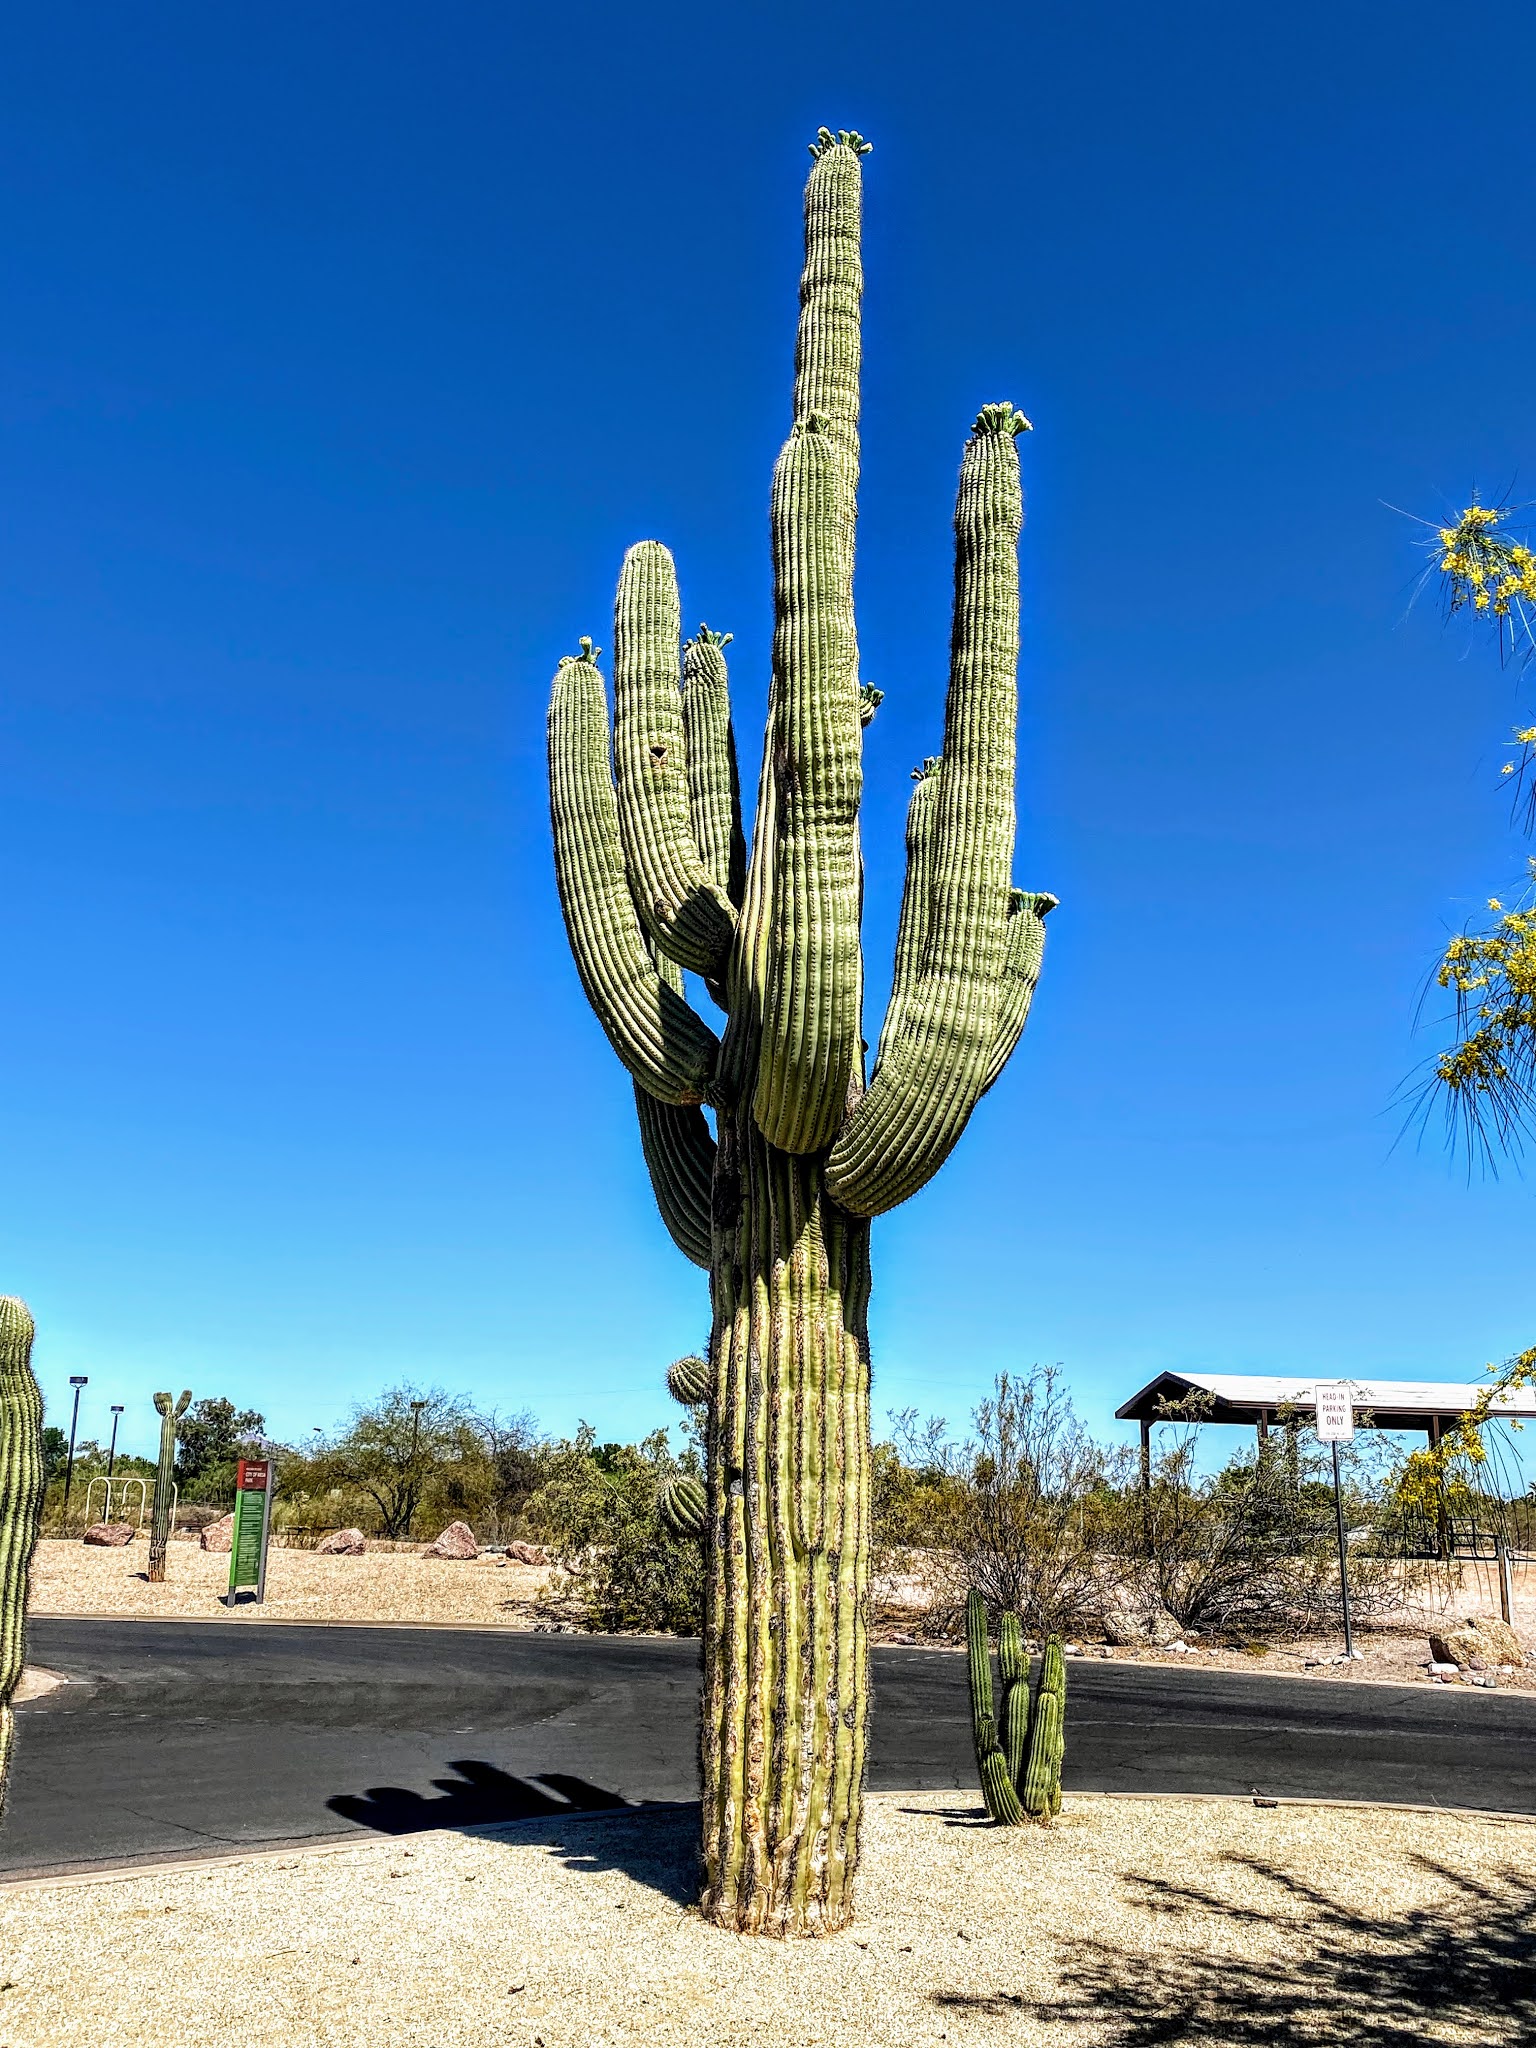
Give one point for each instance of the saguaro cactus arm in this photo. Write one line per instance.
(685, 910)
(1021, 971)
(667, 1048)
(810, 1012)
(714, 784)
(680, 1157)
(933, 1072)
(21, 1502)
(912, 925)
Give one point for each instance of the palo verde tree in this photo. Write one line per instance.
(775, 1202)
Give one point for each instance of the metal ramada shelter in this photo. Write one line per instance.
(1255, 1400)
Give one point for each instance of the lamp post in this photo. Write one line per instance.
(77, 1381)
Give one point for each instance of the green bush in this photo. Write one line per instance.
(597, 1509)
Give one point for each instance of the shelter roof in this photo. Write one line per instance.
(1254, 1397)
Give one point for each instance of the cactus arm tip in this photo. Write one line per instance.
(1002, 419)
(844, 138)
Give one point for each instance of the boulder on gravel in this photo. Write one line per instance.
(110, 1535)
(1479, 1644)
(527, 1553)
(456, 1542)
(1152, 1627)
(342, 1543)
(219, 1535)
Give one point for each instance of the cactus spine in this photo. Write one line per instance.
(170, 1412)
(775, 1201)
(21, 1503)
(1021, 1773)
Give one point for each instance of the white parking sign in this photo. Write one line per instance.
(1335, 1412)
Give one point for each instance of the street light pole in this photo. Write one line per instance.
(77, 1381)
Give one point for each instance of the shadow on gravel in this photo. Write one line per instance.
(481, 1795)
(657, 1846)
(1466, 1963)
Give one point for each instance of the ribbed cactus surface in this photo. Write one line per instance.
(170, 1410)
(1019, 1752)
(768, 1149)
(682, 1505)
(21, 1503)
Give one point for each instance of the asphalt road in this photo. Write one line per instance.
(180, 1739)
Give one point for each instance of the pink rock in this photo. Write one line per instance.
(527, 1553)
(342, 1543)
(457, 1542)
(218, 1535)
(112, 1535)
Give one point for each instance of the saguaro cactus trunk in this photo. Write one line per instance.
(775, 1201)
(21, 1502)
(170, 1412)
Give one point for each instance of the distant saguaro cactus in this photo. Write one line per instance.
(775, 1201)
(170, 1412)
(21, 1503)
(1018, 1753)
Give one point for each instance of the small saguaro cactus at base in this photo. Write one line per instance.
(170, 1412)
(775, 1200)
(1019, 1752)
(21, 1503)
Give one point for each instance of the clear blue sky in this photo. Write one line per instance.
(343, 353)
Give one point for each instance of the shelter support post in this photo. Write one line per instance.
(1146, 1482)
(1442, 1519)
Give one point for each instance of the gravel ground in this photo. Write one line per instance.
(72, 1578)
(1130, 1922)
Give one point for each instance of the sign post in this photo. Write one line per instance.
(253, 1521)
(1335, 1426)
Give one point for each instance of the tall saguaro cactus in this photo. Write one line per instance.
(170, 1412)
(775, 1201)
(21, 1502)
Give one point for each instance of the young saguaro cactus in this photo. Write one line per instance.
(21, 1502)
(775, 1200)
(170, 1412)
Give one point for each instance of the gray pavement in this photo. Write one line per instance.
(179, 1739)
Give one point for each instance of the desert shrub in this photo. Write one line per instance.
(1023, 1511)
(597, 1510)
(1251, 1551)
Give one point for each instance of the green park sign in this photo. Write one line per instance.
(253, 1520)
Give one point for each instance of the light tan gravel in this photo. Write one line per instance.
(1130, 1922)
(74, 1578)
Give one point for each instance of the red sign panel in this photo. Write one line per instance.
(251, 1475)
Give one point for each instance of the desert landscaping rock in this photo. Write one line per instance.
(108, 1535)
(219, 1535)
(342, 1543)
(1177, 1921)
(528, 1553)
(457, 1542)
(1480, 1644)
